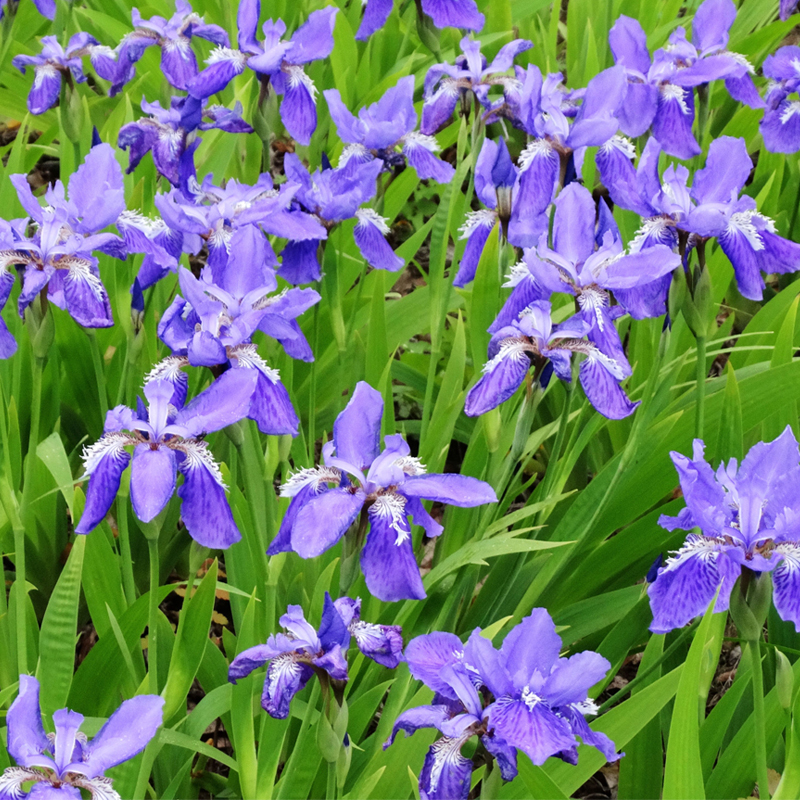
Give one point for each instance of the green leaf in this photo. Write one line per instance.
(51, 452)
(683, 772)
(59, 631)
(169, 736)
(190, 643)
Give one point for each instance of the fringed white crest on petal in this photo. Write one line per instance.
(99, 788)
(538, 148)
(112, 445)
(742, 223)
(315, 475)
(248, 358)
(392, 506)
(417, 139)
(12, 779)
(671, 92)
(486, 217)
(198, 455)
(509, 348)
(369, 216)
(297, 75)
(79, 269)
(446, 751)
(168, 369)
(621, 143)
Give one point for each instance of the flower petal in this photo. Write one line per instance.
(105, 462)
(357, 430)
(387, 560)
(26, 736)
(205, 510)
(127, 733)
(456, 490)
(324, 520)
(153, 475)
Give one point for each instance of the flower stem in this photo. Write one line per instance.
(128, 583)
(37, 368)
(762, 775)
(330, 793)
(152, 624)
(99, 374)
(700, 403)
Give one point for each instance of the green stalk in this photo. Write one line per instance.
(99, 374)
(10, 506)
(37, 368)
(128, 583)
(152, 624)
(754, 645)
(330, 793)
(700, 403)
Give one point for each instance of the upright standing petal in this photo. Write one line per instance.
(376, 13)
(153, 474)
(357, 430)
(127, 732)
(26, 736)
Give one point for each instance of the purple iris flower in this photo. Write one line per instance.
(211, 215)
(383, 127)
(780, 126)
(660, 93)
(533, 340)
(164, 443)
(295, 656)
(392, 488)
(161, 245)
(58, 257)
(49, 67)
(173, 36)
(213, 326)
(497, 186)
(165, 132)
(563, 123)
(711, 208)
(447, 84)
(444, 13)
(66, 762)
(748, 518)
(334, 195)
(587, 260)
(47, 8)
(280, 63)
(520, 697)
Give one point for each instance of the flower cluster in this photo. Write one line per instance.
(293, 657)
(522, 697)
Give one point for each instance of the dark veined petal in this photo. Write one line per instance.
(539, 165)
(476, 230)
(529, 725)
(324, 520)
(299, 262)
(104, 462)
(600, 378)
(672, 124)
(786, 582)
(285, 678)
(387, 560)
(780, 127)
(370, 235)
(685, 585)
(439, 107)
(504, 754)
(502, 376)
(454, 14)
(45, 90)
(446, 773)
(376, 13)
(419, 149)
(86, 297)
(299, 107)
(205, 510)
(381, 643)
(333, 628)
(255, 657)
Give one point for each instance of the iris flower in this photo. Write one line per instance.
(748, 516)
(164, 443)
(521, 697)
(66, 762)
(295, 656)
(380, 488)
